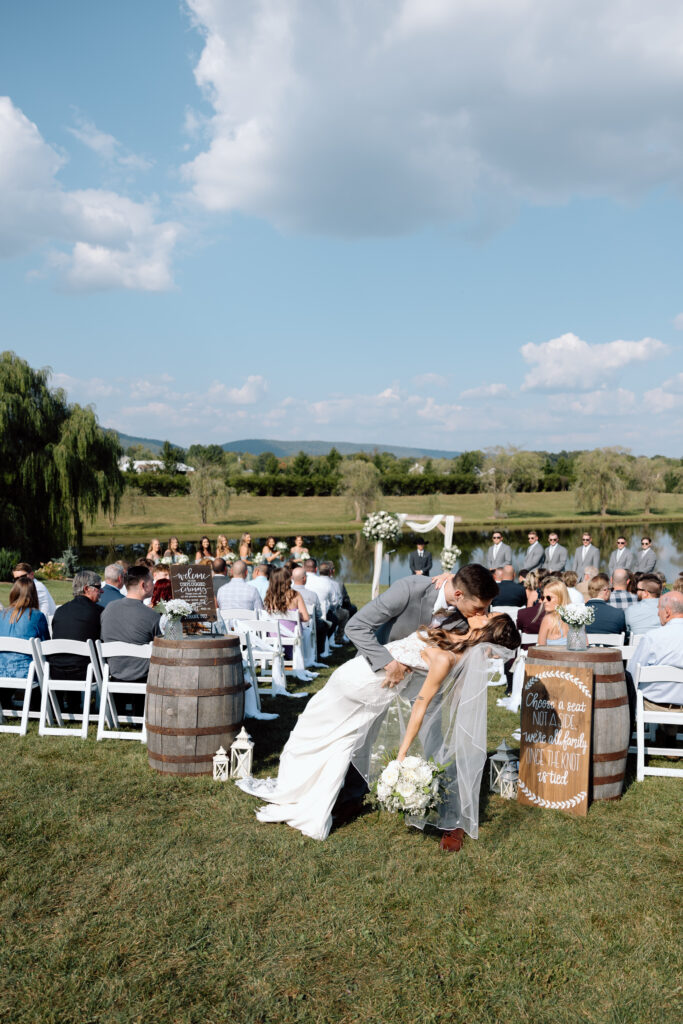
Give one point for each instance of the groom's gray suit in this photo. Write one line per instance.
(399, 611)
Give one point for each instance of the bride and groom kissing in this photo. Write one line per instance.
(419, 682)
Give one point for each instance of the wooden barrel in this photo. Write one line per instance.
(195, 702)
(611, 721)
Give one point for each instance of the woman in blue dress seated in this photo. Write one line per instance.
(22, 620)
(553, 631)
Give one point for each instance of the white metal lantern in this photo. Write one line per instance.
(241, 755)
(499, 761)
(509, 777)
(221, 765)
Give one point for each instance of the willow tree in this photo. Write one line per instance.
(58, 467)
(507, 470)
(600, 479)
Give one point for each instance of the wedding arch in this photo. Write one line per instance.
(419, 524)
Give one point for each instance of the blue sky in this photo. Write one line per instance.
(439, 223)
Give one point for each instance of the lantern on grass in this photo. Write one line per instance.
(509, 777)
(241, 755)
(221, 765)
(502, 758)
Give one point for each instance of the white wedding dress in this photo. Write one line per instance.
(354, 718)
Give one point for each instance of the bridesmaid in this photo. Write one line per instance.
(204, 550)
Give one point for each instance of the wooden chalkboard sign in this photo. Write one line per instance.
(193, 583)
(555, 751)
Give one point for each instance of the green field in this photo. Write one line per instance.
(140, 519)
(129, 896)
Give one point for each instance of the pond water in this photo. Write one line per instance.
(352, 554)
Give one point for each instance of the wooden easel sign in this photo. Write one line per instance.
(193, 583)
(555, 750)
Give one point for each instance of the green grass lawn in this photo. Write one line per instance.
(130, 896)
(144, 518)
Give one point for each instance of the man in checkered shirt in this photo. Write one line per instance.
(620, 597)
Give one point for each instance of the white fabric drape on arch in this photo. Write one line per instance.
(405, 520)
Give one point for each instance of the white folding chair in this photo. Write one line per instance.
(605, 639)
(505, 609)
(27, 684)
(108, 713)
(656, 674)
(252, 697)
(529, 639)
(310, 640)
(231, 615)
(49, 701)
(267, 653)
(291, 636)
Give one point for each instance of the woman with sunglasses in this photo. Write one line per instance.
(553, 631)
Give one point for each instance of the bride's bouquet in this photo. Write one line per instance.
(413, 786)
(382, 526)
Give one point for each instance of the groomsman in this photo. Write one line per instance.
(646, 559)
(498, 554)
(586, 555)
(555, 555)
(621, 558)
(420, 561)
(534, 553)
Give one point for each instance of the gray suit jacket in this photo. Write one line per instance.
(504, 557)
(645, 561)
(626, 561)
(399, 611)
(555, 558)
(581, 564)
(534, 557)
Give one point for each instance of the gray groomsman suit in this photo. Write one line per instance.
(534, 556)
(555, 558)
(497, 561)
(645, 561)
(399, 611)
(581, 561)
(625, 562)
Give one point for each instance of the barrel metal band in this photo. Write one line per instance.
(611, 757)
(213, 730)
(608, 680)
(606, 780)
(195, 662)
(618, 702)
(180, 758)
(216, 691)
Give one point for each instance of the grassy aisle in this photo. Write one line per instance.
(128, 896)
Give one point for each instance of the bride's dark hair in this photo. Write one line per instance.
(500, 629)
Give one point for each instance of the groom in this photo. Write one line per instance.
(447, 601)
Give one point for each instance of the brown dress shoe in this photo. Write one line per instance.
(452, 841)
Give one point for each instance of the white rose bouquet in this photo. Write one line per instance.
(449, 556)
(413, 786)
(282, 547)
(576, 614)
(175, 609)
(383, 526)
(259, 558)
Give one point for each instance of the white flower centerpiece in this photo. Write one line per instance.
(577, 617)
(384, 526)
(449, 556)
(411, 786)
(172, 614)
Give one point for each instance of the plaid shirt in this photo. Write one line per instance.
(622, 599)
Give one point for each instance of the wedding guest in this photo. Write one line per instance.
(145, 562)
(162, 586)
(570, 580)
(588, 575)
(269, 552)
(220, 573)
(663, 646)
(644, 616)
(529, 618)
(131, 622)
(154, 551)
(174, 549)
(223, 548)
(281, 598)
(237, 593)
(23, 620)
(509, 594)
(299, 551)
(322, 586)
(585, 555)
(113, 582)
(620, 596)
(259, 579)
(78, 619)
(245, 550)
(607, 618)
(324, 628)
(621, 558)
(677, 586)
(498, 554)
(420, 561)
(342, 606)
(553, 631)
(535, 554)
(555, 554)
(204, 550)
(46, 601)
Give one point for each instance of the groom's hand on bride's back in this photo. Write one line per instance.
(442, 578)
(393, 673)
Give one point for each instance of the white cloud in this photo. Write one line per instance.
(96, 239)
(617, 402)
(678, 322)
(428, 381)
(668, 396)
(106, 146)
(378, 118)
(487, 391)
(569, 364)
(252, 391)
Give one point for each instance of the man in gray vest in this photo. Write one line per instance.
(498, 554)
(621, 558)
(586, 555)
(646, 559)
(535, 555)
(555, 555)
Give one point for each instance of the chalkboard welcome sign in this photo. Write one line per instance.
(555, 749)
(193, 583)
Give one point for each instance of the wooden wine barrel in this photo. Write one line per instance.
(195, 702)
(611, 722)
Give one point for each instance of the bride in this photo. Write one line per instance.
(357, 718)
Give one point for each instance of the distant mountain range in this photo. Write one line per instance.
(282, 449)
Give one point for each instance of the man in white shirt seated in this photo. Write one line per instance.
(311, 600)
(237, 593)
(663, 646)
(259, 579)
(644, 616)
(326, 591)
(46, 601)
